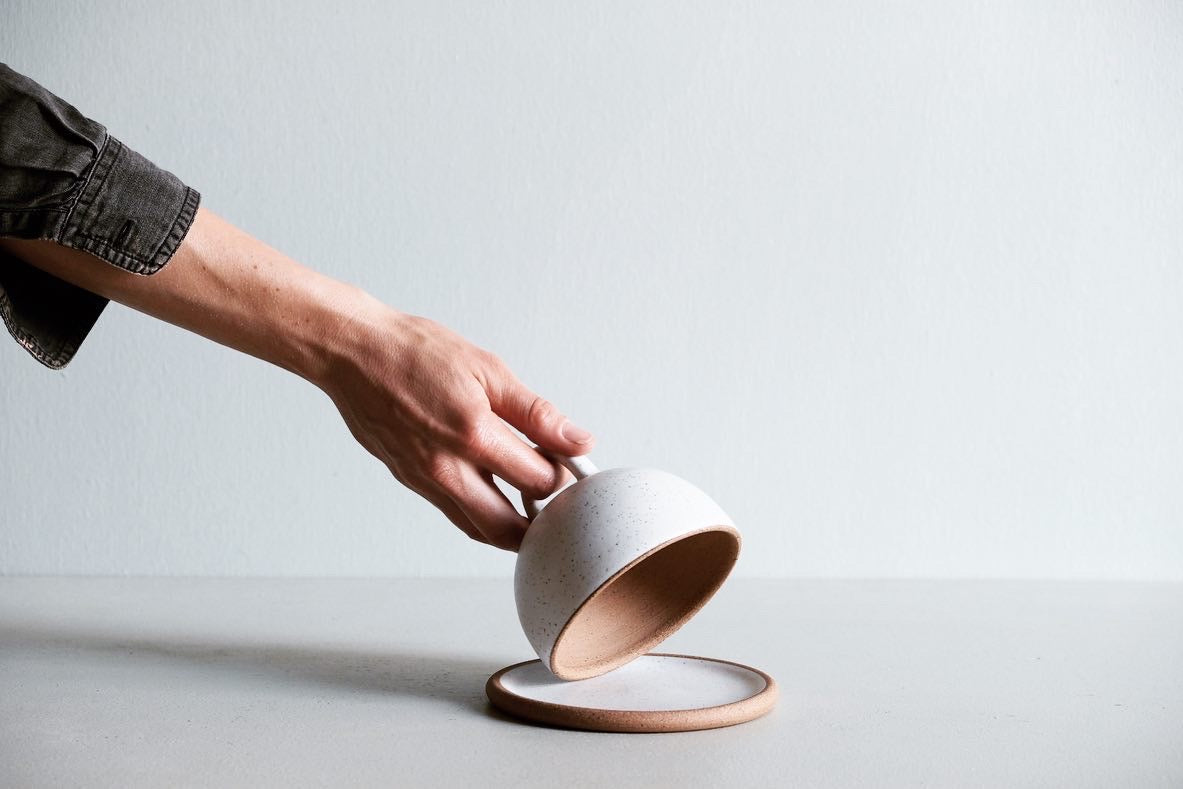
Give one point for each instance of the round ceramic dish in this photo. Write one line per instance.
(657, 692)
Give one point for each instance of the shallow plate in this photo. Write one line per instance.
(655, 692)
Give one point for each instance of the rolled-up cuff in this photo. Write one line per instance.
(47, 316)
(130, 213)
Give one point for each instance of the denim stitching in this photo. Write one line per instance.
(30, 343)
(89, 176)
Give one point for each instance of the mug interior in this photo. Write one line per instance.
(644, 603)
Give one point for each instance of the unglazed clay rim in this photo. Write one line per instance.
(661, 634)
(635, 721)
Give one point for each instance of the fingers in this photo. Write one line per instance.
(442, 502)
(535, 416)
(456, 515)
(471, 500)
(488, 509)
(467, 494)
(501, 452)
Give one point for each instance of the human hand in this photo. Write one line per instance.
(430, 405)
(418, 396)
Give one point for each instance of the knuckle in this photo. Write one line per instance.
(505, 542)
(541, 412)
(440, 470)
(492, 360)
(473, 436)
(543, 484)
(496, 373)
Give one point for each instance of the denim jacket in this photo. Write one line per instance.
(65, 179)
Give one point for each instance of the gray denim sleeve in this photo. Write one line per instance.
(63, 178)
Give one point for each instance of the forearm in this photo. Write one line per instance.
(419, 397)
(226, 286)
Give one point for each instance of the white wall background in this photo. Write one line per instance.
(899, 284)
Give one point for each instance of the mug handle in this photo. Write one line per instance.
(581, 467)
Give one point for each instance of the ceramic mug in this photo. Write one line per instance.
(615, 563)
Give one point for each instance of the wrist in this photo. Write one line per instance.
(339, 332)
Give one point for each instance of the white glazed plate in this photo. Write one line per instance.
(656, 692)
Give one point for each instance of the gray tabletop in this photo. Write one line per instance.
(153, 682)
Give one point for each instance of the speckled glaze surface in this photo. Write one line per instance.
(590, 531)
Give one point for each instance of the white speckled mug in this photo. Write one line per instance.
(615, 563)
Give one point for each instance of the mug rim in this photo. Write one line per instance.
(666, 629)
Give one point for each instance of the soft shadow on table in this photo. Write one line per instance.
(450, 678)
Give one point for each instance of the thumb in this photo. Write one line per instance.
(538, 419)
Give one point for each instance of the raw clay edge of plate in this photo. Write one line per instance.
(635, 721)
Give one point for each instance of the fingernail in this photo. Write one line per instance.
(576, 434)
